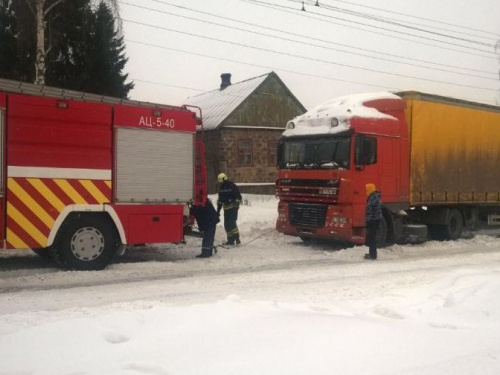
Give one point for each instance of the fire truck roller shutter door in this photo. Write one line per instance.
(154, 166)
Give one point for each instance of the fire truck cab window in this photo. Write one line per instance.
(365, 150)
(326, 152)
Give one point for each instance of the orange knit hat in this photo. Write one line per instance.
(370, 188)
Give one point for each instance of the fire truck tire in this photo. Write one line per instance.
(86, 242)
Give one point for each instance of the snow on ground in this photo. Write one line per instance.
(271, 306)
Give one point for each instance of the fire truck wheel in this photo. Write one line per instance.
(381, 237)
(87, 242)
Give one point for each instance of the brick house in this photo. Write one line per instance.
(243, 122)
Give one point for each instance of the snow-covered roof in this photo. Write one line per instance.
(318, 120)
(218, 104)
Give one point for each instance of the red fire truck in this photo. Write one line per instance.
(434, 159)
(85, 175)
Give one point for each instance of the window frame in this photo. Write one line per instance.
(240, 150)
(362, 157)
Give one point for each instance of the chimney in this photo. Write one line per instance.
(225, 80)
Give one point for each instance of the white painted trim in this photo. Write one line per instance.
(111, 211)
(86, 208)
(69, 173)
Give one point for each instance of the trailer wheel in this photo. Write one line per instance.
(454, 226)
(381, 237)
(87, 242)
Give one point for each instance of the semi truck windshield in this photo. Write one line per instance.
(314, 153)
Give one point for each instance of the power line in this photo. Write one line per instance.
(396, 23)
(302, 57)
(164, 84)
(379, 19)
(259, 66)
(422, 19)
(302, 14)
(387, 88)
(311, 38)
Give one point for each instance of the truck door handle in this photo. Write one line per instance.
(156, 219)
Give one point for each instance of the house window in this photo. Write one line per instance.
(245, 153)
(271, 153)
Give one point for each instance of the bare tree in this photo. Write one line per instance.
(40, 10)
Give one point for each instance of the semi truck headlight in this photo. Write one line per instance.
(339, 220)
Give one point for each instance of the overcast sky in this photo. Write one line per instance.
(179, 48)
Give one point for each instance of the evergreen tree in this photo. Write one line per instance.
(7, 39)
(17, 41)
(84, 48)
(70, 30)
(107, 57)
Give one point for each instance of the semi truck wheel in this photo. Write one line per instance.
(86, 242)
(454, 226)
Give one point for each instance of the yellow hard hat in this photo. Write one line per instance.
(370, 188)
(221, 177)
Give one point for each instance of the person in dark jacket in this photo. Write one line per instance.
(229, 200)
(207, 219)
(373, 217)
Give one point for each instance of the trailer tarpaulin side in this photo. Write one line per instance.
(455, 153)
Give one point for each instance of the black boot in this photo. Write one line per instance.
(205, 253)
(230, 241)
(238, 239)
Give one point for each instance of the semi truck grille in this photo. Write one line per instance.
(307, 215)
(314, 183)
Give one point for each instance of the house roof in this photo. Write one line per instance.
(218, 104)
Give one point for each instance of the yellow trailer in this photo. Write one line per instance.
(454, 150)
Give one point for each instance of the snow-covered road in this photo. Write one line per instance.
(297, 308)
